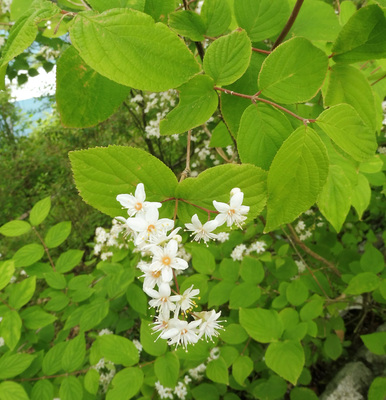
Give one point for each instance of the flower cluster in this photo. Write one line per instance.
(157, 238)
(242, 250)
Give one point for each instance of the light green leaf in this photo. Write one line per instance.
(217, 16)
(188, 24)
(22, 292)
(297, 292)
(40, 211)
(10, 329)
(127, 47)
(118, 349)
(233, 334)
(83, 96)
(335, 198)
(167, 368)
(12, 365)
(28, 255)
(294, 72)
(68, 260)
(262, 131)
(345, 127)
(103, 173)
(55, 280)
(19, 7)
(375, 342)
(311, 310)
(103, 5)
(241, 369)
(205, 391)
(52, 362)
(252, 270)
(217, 371)
(15, 228)
(159, 10)
(244, 295)
(332, 346)
(202, 259)
(94, 314)
(220, 293)
(286, 359)
(347, 84)
(137, 298)
(377, 389)
(70, 389)
(229, 269)
(7, 268)
(43, 390)
(372, 260)
(361, 195)
(73, 355)
(147, 339)
(126, 384)
(363, 283)
(228, 57)
(262, 325)
(347, 9)
(296, 177)
(12, 391)
(300, 393)
(273, 388)
(220, 136)
(57, 234)
(35, 318)
(372, 165)
(216, 183)
(362, 38)
(198, 101)
(91, 381)
(263, 19)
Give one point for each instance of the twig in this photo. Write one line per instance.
(186, 171)
(261, 51)
(39, 378)
(45, 248)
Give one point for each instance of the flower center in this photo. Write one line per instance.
(184, 331)
(156, 274)
(164, 299)
(231, 211)
(150, 228)
(138, 206)
(166, 260)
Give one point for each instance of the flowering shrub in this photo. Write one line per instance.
(295, 118)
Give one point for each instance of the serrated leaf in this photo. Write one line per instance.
(263, 19)
(217, 16)
(35, 318)
(220, 136)
(286, 359)
(28, 255)
(262, 131)
(40, 211)
(273, 388)
(345, 127)
(252, 270)
(19, 7)
(160, 10)
(68, 260)
(73, 355)
(241, 369)
(361, 195)
(127, 47)
(52, 362)
(93, 314)
(216, 183)
(126, 384)
(188, 24)
(202, 260)
(118, 349)
(57, 234)
(198, 101)
(362, 38)
(55, 280)
(297, 292)
(91, 381)
(12, 365)
(103, 173)
(43, 390)
(83, 96)
(363, 283)
(70, 389)
(22, 292)
(220, 293)
(12, 391)
(103, 5)
(167, 368)
(15, 228)
(262, 325)
(296, 177)
(244, 295)
(228, 57)
(217, 371)
(7, 268)
(294, 72)
(233, 334)
(10, 329)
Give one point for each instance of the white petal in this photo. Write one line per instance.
(237, 200)
(221, 207)
(140, 194)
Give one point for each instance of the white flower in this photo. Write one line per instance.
(162, 300)
(214, 354)
(301, 266)
(183, 333)
(151, 276)
(186, 301)
(163, 392)
(300, 226)
(197, 373)
(100, 235)
(223, 237)
(209, 323)
(97, 248)
(305, 235)
(136, 204)
(258, 247)
(105, 256)
(180, 391)
(238, 252)
(2, 342)
(138, 345)
(187, 379)
(105, 332)
(232, 213)
(202, 231)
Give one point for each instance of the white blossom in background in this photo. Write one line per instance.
(300, 226)
(214, 354)
(305, 235)
(257, 247)
(105, 332)
(238, 252)
(301, 266)
(107, 255)
(163, 392)
(382, 150)
(138, 345)
(223, 237)
(180, 391)
(198, 372)
(2, 342)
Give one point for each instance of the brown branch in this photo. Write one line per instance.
(289, 23)
(39, 378)
(261, 51)
(45, 248)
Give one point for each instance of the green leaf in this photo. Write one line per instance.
(216, 183)
(10, 329)
(70, 389)
(148, 340)
(103, 173)
(12, 391)
(198, 101)
(187, 23)
(52, 362)
(273, 388)
(167, 368)
(7, 268)
(363, 283)
(68, 260)
(126, 384)
(334, 200)
(40, 211)
(74, 354)
(252, 270)
(35, 318)
(332, 346)
(297, 292)
(15, 228)
(347, 84)
(361, 39)
(202, 260)
(241, 369)
(43, 390)
(103, 5)
(296, 177)
(303, 393)
(12, 365)
(234, 334)
(220, 293)
(217, 16)
(137, 298)
(229, 269)
(262, 131)
(262, 325)
(118, 349)
(261, 20)
(55, 280)
(91, 381)
(127, 47)
(361, 195)
(94, 314)
(377, 389)
(19, 7)
(205, 391)
(217, 371)
(83, 96)
(286, 359)
(375, 342)
(220, 136)
(22, 292)
(311, 310)
(159, 10)
(244, 295)
(372, 260)
(28, 255)
(294, 72)
(57, 234)
(228, 57)
(23, 33)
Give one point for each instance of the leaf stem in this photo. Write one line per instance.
(261, 51)
(39, 378)
(45, 248)
(289, 23)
